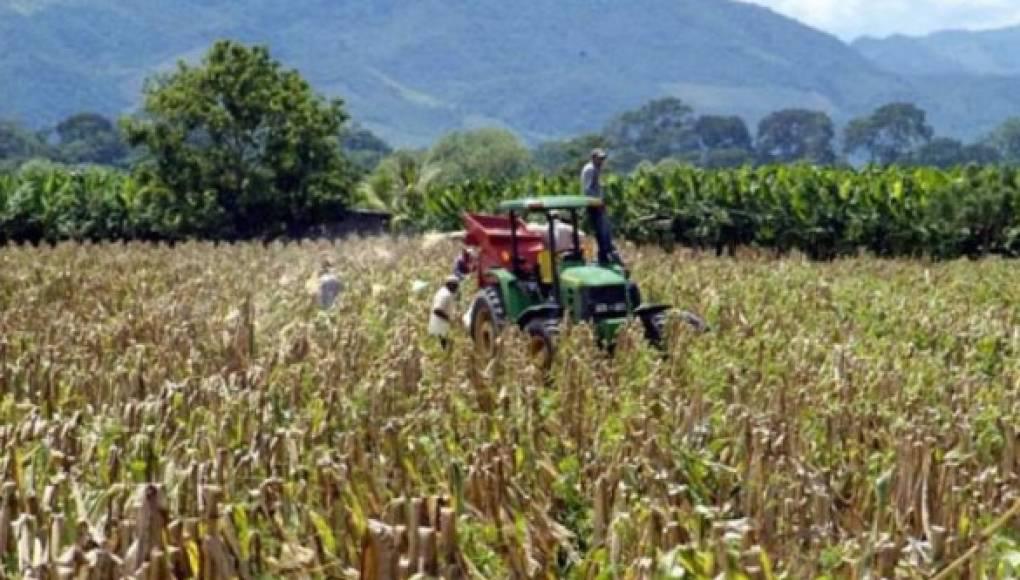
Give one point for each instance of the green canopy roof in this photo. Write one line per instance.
(550, 202)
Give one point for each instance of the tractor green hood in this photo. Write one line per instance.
(591, 276)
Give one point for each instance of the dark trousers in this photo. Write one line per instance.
(603, 235)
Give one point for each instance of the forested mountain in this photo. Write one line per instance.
(413, 70)
(954, 52)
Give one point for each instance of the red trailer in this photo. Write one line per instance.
(494, 236)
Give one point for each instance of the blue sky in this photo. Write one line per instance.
(849, 19)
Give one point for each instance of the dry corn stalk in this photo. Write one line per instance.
(861, 409)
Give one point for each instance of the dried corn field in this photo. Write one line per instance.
(189, 412)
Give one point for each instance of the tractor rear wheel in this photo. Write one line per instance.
(487, 321)
(542, 336)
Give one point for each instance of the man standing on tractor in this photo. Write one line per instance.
(591, 186)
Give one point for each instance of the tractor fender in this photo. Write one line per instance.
(540, 312)
(649, 310)
(654, 318)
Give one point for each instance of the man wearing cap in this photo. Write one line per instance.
(591, 186)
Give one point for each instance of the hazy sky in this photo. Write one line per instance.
(852, 18)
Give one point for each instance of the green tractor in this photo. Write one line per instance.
(534, 279)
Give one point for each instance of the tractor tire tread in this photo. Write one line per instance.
(548, 330)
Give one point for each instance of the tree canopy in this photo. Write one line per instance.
(1006, 140)
(723, 132)
(362, 147)
(796, 135)
(660, 129)
(944, 152)
(889, 135)
(725, 141)
(18, 144)
(567, 157)
(241, 146)
(90, 138)
(495, 154)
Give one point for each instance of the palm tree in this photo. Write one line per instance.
(399, 185)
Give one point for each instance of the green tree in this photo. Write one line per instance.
(889, 135)
(403, 173)
(941, 152)
(90, 138)
(662, 128)
(567, 157)
(796, 135)
(241, 146)
(494, 154)
(400, 185)
(944, 152)
(982, 154)
(362, 147)
(725, 141)
(1006, 140)
(18, 144)
(723, 158)
(719, 132)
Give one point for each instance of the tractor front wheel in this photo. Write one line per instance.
(542, 342)
(487, 320)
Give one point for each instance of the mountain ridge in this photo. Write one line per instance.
(981, 52)
(411, 72)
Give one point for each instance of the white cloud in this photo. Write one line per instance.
(852, 18)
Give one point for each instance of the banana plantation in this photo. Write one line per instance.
(821, 212)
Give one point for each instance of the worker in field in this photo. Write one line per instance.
(442, 311)
(464, 265)
(329, 285)
(591, 186)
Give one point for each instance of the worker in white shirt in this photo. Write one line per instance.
(442, 311)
